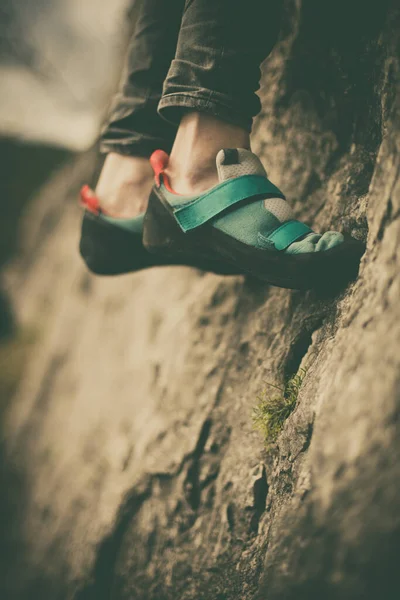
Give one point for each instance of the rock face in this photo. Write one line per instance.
(132, 467)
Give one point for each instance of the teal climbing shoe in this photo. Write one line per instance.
(113, 246)
(245, 222)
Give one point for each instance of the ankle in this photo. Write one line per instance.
(118, 168)
(192, 178)
(124, 184)
(192, 167)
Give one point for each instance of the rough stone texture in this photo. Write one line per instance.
(132, 467)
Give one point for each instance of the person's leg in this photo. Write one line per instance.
(134, 128)
(211, 86)
(212, 195)
(111, 240)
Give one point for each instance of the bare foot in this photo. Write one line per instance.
(191, 167)
(124, 185)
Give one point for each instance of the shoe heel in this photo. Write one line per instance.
(107, 251)
(161, 233)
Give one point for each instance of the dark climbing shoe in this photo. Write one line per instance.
(245, 222)
(112, 246)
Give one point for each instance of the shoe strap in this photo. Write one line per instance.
(287, 233)
(199, 211)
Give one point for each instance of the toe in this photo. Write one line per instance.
(329, 240)
(316, 243)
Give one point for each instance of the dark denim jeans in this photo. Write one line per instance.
(201, 55)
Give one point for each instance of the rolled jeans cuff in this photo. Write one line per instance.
(174, 105)
(132, 148)
(135, 145)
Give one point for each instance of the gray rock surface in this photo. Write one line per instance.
(132, 467)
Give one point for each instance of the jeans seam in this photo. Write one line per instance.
(198, 103)
(212, 92)
(168, 99)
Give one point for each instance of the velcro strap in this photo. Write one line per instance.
(196, 213)
(288, 233)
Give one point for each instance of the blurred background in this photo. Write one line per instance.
(60, 61)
